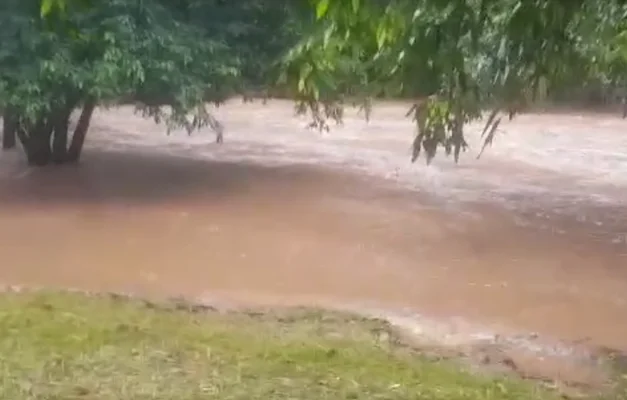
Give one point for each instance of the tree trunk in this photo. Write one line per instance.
(60, 136)
(38, 151)
(78, 139)
(9, 127)
(20, 131)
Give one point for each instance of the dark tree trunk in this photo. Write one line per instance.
(9, 128)
(38, 151)
(78, 139)
(35, 140)
(60, 136)
(20, 131)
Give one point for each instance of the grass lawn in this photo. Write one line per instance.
(71, 346)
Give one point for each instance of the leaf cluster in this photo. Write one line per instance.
(455, 58)
(111, 50)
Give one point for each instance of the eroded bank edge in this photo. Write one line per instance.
(480, 350)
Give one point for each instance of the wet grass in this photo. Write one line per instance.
(71, 346)
(618, 363)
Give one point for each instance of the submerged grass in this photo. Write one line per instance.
(72, 346)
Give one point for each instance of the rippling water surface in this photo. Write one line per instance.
(531, 237)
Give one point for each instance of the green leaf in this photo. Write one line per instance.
(46, 7)
(322, 7)
(356, 6)
(381, 34)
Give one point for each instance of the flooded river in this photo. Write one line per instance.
(529, 238)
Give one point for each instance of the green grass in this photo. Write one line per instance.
(71, 346)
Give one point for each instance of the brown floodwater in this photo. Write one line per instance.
(530, 238)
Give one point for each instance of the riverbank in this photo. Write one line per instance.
(71, 345)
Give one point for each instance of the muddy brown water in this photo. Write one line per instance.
(529, 238)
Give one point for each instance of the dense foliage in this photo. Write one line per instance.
(455, 58)
(167, 57)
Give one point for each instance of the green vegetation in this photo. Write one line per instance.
(69, 346)
(454, 59)
(167, 57)
(457, 58)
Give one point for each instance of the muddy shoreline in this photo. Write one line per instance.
(572, 368)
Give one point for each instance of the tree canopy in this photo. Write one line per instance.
(168, 57)
(454, 59)
(457, 58)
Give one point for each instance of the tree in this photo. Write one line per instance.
(603, 34)
(454, 58)
(168, 57)
(9, 129)
(99, 55)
